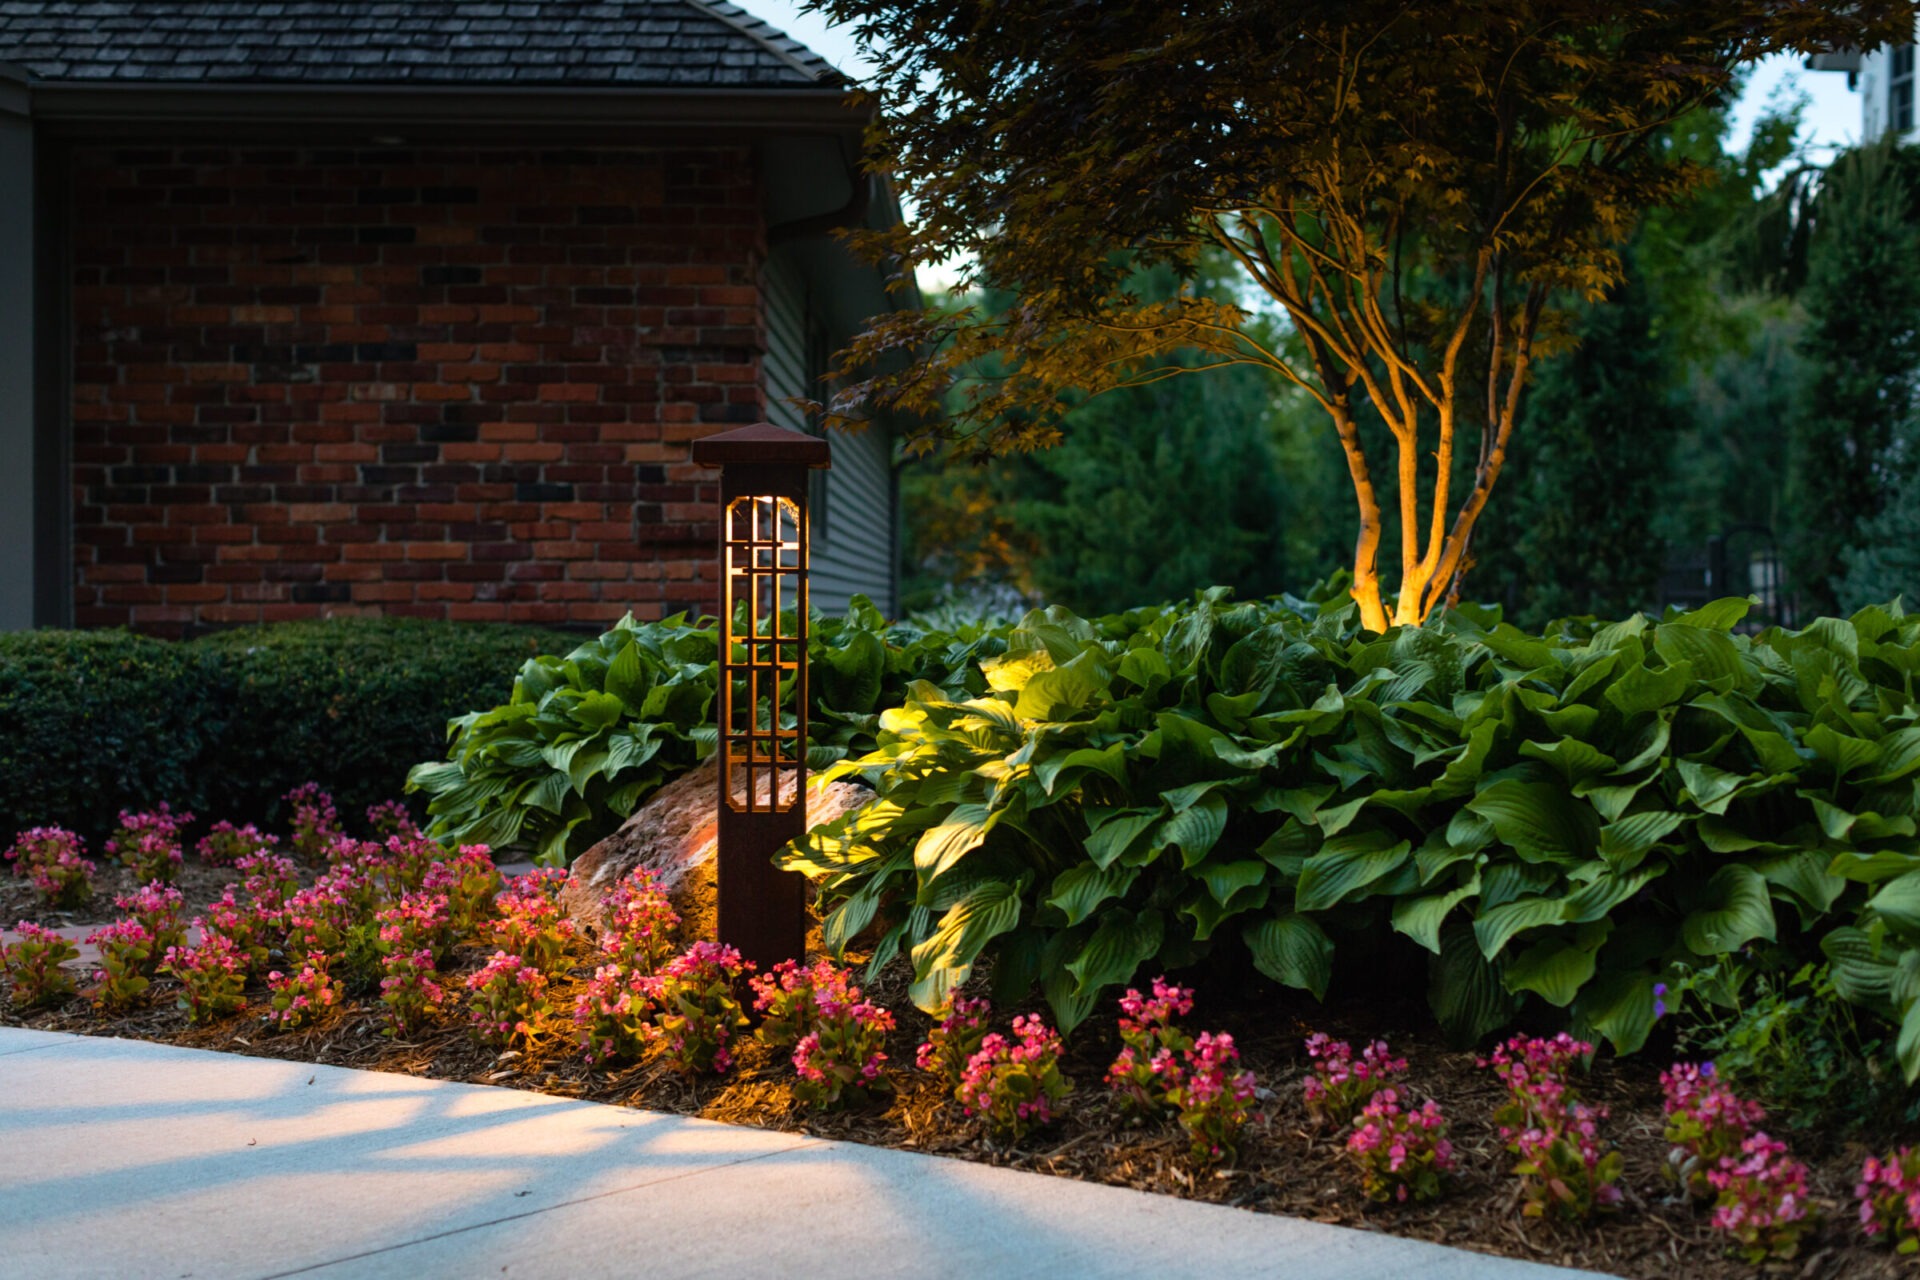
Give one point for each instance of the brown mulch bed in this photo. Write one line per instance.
(1287, 1166)
(199, 886)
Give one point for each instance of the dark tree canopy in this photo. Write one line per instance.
(1418, 187)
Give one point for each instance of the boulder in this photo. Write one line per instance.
(674, 832)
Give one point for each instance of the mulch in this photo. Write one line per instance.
(1287, 1166)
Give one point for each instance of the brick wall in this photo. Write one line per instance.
(448, 384)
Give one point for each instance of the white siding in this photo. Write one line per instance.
(854, 510)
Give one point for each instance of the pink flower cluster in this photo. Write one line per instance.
(1012, 1086)
(1403, 1154)
(54, 859)
(1566, 1168)
(126, 955)
(212, 977)
(267, 879)
(316, 823)
(318, 917)
(240, 924)
(1889, 1196)
(156, 908)
(788, 999)
(531, 924)
(469, 880)
(303, 995)
(1338, 1083)
(32, 965)
(505, 1000)
(637, 929)
(841, 1058)
(954, 1039)
(1706, 1123)
(1213, 1098)
(410, 989)
(1148, 1065)
(418, 922)
(610, 1016)
(695, 1010)
(1762, 1203)
(390, 818)
(225, 844)
(149, 842)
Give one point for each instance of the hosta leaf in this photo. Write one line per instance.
(1873, 868)
(1723, 614)
(1604, 892)
(944, 960)
(1805, 879)
(1899, 902)
(1224, 879)
(1626, 839)
(1064, 692)
(549, 793)
(940, 847)
(1574, 759)
(1465, 989)
(1494, 925)
(1111, 761)
(1538, 819)
(1124, 941)
(1618, 1006)
(1861, 973)
(1344, 865)
(1907, 1048)
(1711, 654)
(1421, 918)
(1555, 968)
(1197, 829)
(1735, 909)
(1899, 755)
(1644, 689)
(1079, 890)
(1844, 752)
(1120, 833)
(1291, 949)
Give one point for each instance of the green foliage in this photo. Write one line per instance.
(586, 737)
(227, 724)
(1560, 819)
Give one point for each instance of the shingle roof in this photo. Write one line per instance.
(585, 43)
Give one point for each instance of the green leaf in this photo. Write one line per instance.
(940, 847)
(1618, 1006)
(1292, 949)
(1124, 941)
(1539, 820)
(1626, 839)
(1064, 692)
(1644, 689)
(1346, 864)
(1554, 968)
(1421, 918)
(1861, 974)
(1224, 879)
(945, 959)
(1078, 890)
(1735, 910)
(1118, 834)
(1465, 989)
(1196, 829)
(1495, 925)
(1899, 902)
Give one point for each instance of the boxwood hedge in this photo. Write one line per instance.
(226, 724)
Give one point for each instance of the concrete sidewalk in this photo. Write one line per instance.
(125, 1159)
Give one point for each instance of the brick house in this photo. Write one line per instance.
(318, 308)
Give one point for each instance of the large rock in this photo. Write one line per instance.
(673, 833)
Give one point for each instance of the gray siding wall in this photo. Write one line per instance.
(853, 526)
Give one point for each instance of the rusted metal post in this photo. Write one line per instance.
(762, 702)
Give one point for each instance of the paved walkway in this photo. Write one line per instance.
(125, 1159)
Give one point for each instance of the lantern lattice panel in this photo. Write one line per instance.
(763, 710)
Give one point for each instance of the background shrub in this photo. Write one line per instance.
(225, 725)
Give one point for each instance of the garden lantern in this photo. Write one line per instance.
(762, 703)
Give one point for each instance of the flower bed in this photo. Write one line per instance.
(1250, 1096)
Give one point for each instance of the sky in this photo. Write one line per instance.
(1832, 117)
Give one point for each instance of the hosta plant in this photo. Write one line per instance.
(1212, 1098)
(696, 1007)
(1888, 1195)
(506, 1001)
(1149, 1062)
(126, 956)
(1012, 1086)
(954, 1038)
(33, 964)
(54, 859)
(297, 996)
(1403, 1152)
(610, 1017)
(1339, 1082)
(1706, 1124)
(225, 844)
(1761, 1201)
(315, 821)
(212, 977)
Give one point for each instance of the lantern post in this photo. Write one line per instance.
(761, 706)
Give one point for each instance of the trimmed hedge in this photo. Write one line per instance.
(224, 725)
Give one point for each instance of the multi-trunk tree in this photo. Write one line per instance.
(1419, 188)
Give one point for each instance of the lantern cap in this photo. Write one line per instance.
(761, 444)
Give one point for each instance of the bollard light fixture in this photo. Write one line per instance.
(762, 702)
